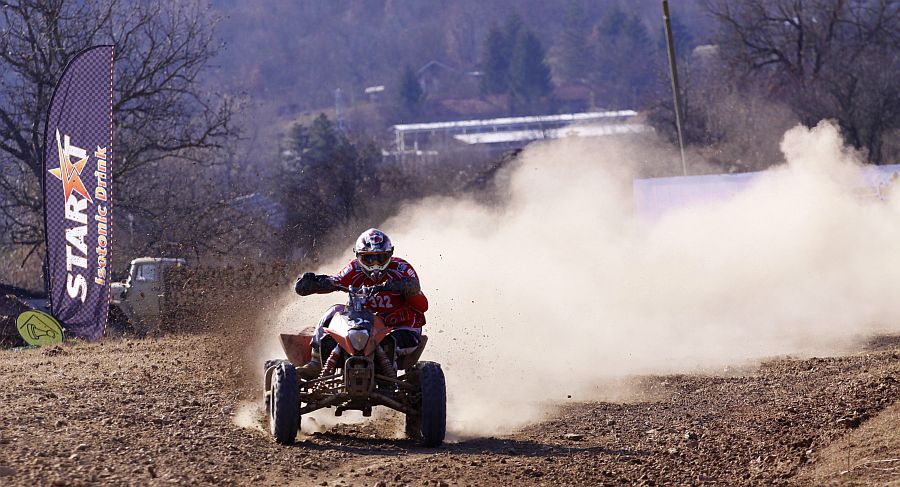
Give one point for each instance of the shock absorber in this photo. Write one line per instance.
(384, 363)
(330, 364)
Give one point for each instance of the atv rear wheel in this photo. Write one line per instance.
(430, 425)
(284, 404)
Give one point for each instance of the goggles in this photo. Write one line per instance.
(374, 260)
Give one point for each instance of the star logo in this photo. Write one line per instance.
(67, 172)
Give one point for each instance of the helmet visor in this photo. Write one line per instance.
(374, 260)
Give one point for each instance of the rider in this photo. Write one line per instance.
(400, 302)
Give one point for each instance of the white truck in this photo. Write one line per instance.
(146, 298)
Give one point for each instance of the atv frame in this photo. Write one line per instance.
(419, 393)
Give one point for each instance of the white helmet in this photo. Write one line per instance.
(373, 251)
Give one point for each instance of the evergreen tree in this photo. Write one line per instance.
(296, 141)
(612, 24)
(636, 34)
(410, 93)
(511, 30)
(637, 56)
(324, 142)
(529, 76)
(322, 168)
(625, 59)
(684, 40)
(495, 62)
(574, 53)
(497, 54)
(514, 64)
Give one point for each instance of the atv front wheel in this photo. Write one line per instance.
(284, 404)
(266, 366)
(430, 425)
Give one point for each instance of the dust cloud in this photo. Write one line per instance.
(564, 288)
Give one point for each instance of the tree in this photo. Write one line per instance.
(159, 111)
(327, 180)
(511, 30)
(410, 93)
(495, 61)
(625, 59)
(324, 143)
(497, 54)
(731, 127)
(574, 54)
(529, 76)
(827, 59)
(514, 64)
(612, 25)
(681, 36)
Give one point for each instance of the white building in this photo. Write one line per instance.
(512, 132)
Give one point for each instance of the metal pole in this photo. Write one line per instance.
(676, 93)
(339, 109)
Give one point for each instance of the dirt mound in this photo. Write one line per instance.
(10, 308)
(868, 455)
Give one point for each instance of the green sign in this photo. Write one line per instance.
(39, 328)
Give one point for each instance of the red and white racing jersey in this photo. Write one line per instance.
(396, 310)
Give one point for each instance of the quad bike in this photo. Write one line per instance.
(357, 375)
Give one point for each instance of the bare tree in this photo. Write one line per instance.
(735, 129)
(186, 213)
(827, 59)
(160, 112)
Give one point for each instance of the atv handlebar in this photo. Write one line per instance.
(405, 286)
(359, 295)
(364, 290)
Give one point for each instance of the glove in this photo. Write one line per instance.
(310, 283)
(407, 286)
(326, 285)
(306, 284)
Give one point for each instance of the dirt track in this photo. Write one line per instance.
(156, 411)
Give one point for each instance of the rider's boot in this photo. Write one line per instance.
(384, 365)
(310, 370)
(390, 349)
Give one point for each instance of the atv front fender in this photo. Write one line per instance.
(297, 347)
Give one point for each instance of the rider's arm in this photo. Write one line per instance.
(347, 275)
(419, 302)
(408, 282)
(411, 288)
(310, 283)
(405, 286)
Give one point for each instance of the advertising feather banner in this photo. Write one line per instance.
(77, 198)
